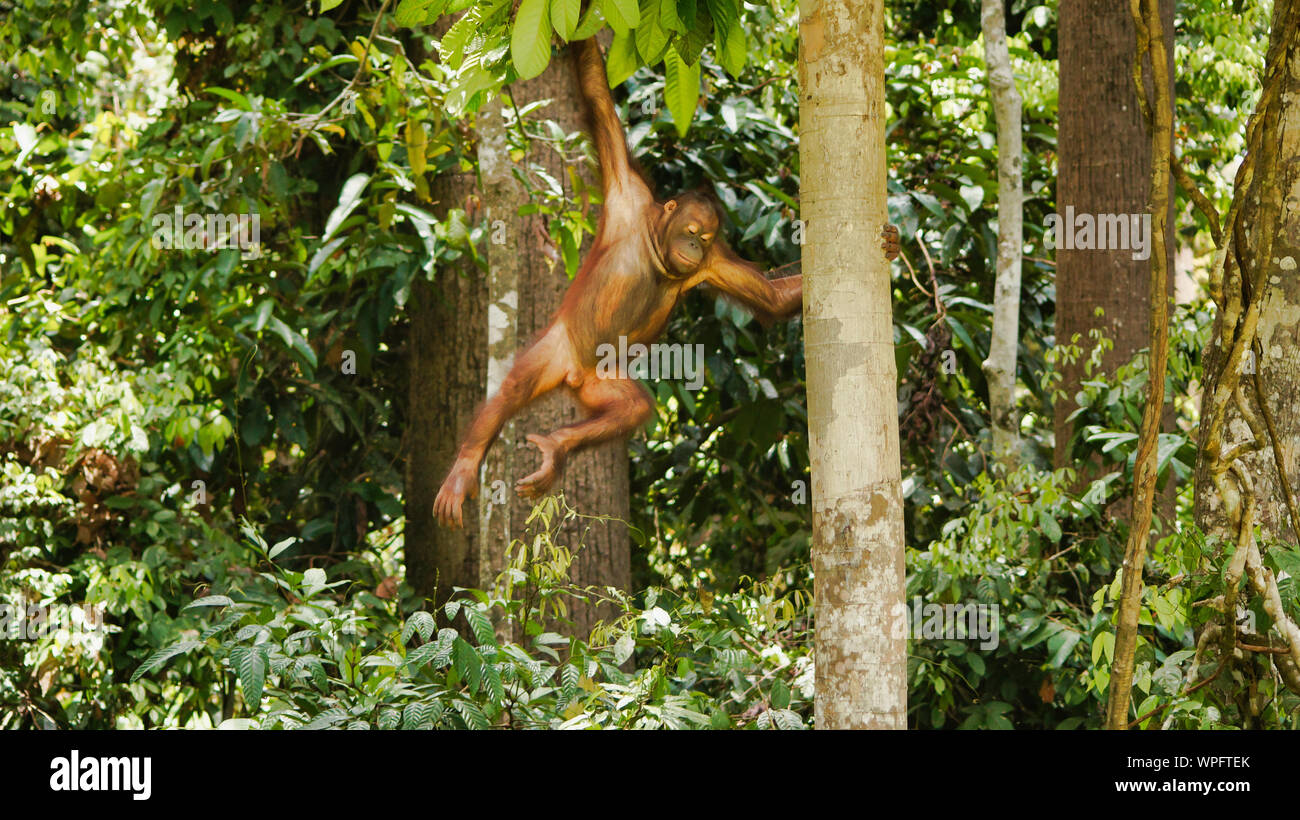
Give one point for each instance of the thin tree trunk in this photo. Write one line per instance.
(1150, 32)
(502, 196)
(1000, 366)
(852, 382)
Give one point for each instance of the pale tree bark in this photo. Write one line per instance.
(1150, 38)
(1277, 333)
(857, 498)
(528, 282)
(1000, 366)
(1249, 460)
(502, 196)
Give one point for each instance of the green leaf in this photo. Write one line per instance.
(293, 340)
(336, 60)
(234, 96)
(668, 17)
(467, 663)
(210, 600)
(1103, 643)
(482, 626)
(309, 666)
(787, 720)
(622, 61)
(263, 313)
(471, 714)
(731, 47)
(623, 649)
(959, 330)
(681, 90)
(163, 655)
(1288, 561)
(1050, 528)
(250, 666)
(530, 41)
(1067, 640)
(313, 580)
(326, 5)
(436, 652)
(622, 15)
(564, 17)
(327, 719)
(452, 46)
(780, 694)
(691, 43)
(931, 204)
(651, 39)
(237, 724)
(321, 256)
(591, 22)
(415, 715)
(349, 197)
(421, 622)
(412, 12)
(417, 146)
(281, 547)
(725, 13)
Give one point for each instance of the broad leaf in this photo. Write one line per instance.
(564, 17)
(622, 60)
(530, 41)
(681, 90)
(622, 15)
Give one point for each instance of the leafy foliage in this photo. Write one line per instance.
(312, 658)
(153, 399)
(486, 48)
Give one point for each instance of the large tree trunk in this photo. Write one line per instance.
(1158, 97)
(446, 363)
(1277, 371)
(852, 382)
(1249, 460)
(1104, 166)
(527, 288)
(1000, 366)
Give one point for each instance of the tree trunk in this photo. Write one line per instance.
(1158, 96)
(1275, 469)
(446, 368)
(852, 383)
(527, 288)
(502, 197)
(1104, 167)
(1249, 459)
(1000, 366)
(447, 353)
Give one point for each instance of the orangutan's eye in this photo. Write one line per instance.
(692, 229)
